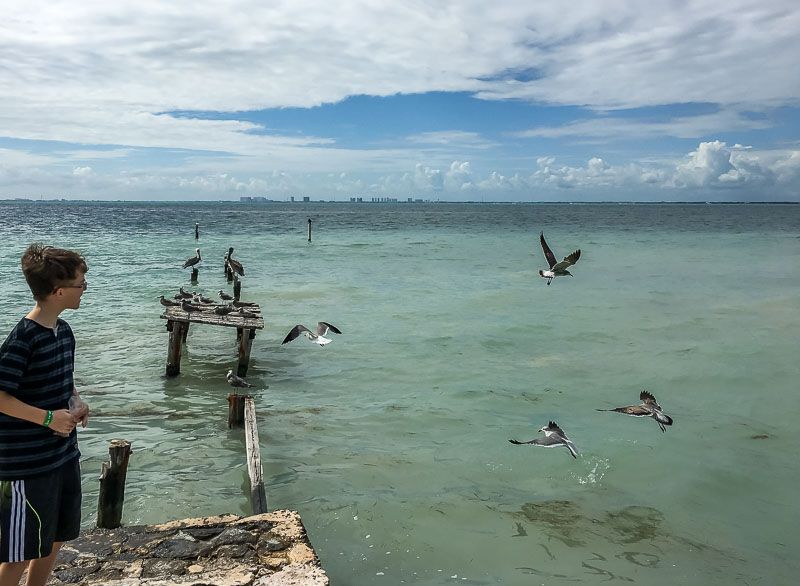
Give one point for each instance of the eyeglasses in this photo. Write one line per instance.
(83, 285)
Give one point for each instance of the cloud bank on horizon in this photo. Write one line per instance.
(679, 100)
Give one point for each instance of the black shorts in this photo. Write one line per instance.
(36, 512)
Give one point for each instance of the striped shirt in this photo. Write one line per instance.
(36, 365)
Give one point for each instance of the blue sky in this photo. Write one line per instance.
(505, 101)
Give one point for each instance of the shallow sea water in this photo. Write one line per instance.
(392, 440)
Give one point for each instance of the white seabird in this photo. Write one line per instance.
(318, 337)
(648, 408)
(554, 436)
(191, 261)
(236, 381)
(557, 269)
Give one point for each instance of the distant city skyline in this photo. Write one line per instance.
(448, 101)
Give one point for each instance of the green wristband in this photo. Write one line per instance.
(48, 419)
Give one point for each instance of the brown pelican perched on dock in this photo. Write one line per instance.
(554, 436)
(557, 269)
(317, 337)
(648, 408)
(168, 303)
(235, 265)
(191, 261)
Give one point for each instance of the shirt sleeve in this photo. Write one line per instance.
(14, 355)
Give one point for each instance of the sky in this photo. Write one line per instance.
(520, 100)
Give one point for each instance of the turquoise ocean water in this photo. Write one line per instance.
(392, 441)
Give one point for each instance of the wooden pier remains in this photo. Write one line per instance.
(178, 322)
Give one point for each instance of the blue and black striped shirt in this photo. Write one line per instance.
(36, 366)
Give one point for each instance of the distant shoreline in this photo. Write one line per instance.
(22, 200)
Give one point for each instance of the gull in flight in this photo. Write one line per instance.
(317, 337)
(554, 436)
(648, 408)
(557, 269)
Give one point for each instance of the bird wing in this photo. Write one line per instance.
(549, 441)
(662, 417)
(519, 443)
(236, 266)
(323, 327)
(635, 410)
(548, 254)
(571, 447)
(648, 398)
(567, 262)
(296, 331)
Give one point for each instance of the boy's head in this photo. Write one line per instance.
(49, 269)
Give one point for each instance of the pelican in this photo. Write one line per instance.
(554, 436)
(648, 408)
(224, 296)
(236, 266)
(167, 303)
(190, 262)
(237, 381)
(557, 269)
(318, 337)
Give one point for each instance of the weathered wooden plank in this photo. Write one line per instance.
(207, 316)
(258, 495)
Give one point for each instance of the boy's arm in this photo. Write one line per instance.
(62, 421)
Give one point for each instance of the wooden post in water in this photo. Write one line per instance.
(309, 229)
(258, 495)
(112, 485)
(246, 336)
(236, 409)
(237, 286)
(185, 332)
(175, 329)
(195, 273)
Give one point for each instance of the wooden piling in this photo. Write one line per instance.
(237, 287)
(112, 485)
(258, 495)
(195, 273)
(176, 330)
(236, 410)
(245, 345)
(185, 332)
(309, 229)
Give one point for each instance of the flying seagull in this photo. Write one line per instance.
(237, 381)
(554, 436)
(191, 261)
(224, 296)
(557, 269)
(168, 303)
(323, 328)
(648, 408)
(236, 266)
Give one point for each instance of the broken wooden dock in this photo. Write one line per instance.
(178, 322)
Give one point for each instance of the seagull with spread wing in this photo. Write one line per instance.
(554, 436)
(317, 337)
(648, 408)
(557, 269)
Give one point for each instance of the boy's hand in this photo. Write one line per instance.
(79, 411)
(63, 423)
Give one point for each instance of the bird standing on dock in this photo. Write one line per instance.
(648, 408)
(235, 265)
(237, 381)
(168, 303)
(318, 337)
(188, 307)
(557, 269)
(554, 436)
(223, 309)
(190, 262)
(224, 296)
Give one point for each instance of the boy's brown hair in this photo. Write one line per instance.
(46, 268)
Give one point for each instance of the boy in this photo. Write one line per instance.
(40, 484)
